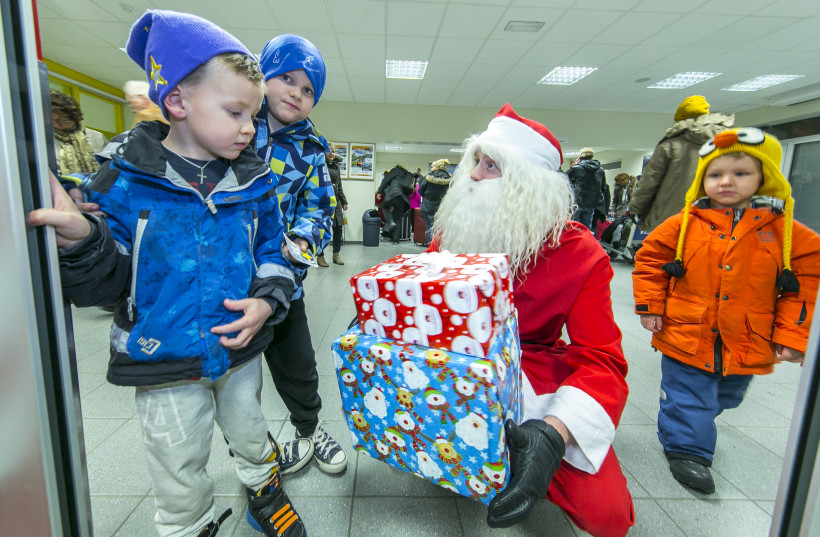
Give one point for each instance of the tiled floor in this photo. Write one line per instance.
(373, 499)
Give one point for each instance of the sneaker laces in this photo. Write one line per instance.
(289, 451)
(323, 442)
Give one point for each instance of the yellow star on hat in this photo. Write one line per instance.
(155, 76)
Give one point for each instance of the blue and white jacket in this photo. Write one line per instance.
(168, 258)
(296, 154)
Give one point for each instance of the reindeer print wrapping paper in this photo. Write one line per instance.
(436, 299)
(431, 412)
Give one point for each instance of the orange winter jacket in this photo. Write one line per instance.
(728, 288)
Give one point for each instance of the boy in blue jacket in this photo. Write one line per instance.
(287, 140)
(190, 253)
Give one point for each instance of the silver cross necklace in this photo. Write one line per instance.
(201, 173)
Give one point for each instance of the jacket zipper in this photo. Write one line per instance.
(142, 223)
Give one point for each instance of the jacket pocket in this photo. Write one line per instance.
(759, 329)
(682, 324)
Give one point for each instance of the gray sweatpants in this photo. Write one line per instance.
(177, 426)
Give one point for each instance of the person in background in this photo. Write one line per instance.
(136, 93)
(192, 292)
(668, 173)
(508, 196)
(432, 189)
(727, 287)
(415, 197)
(394, 193)
(588, 182)
(333, 161)
(294, 149)
(624, 186)
(74, 143)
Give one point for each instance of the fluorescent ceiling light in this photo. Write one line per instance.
(566, 76)
(407, 69)
(683, 80)
(392, 148)
(456, 150)
(760, 82)
(523, 26)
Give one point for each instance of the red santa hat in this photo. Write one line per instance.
(532, 139)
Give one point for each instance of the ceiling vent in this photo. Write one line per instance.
(523, 26)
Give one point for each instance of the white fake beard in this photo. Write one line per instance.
(517, 217)
(470, 223)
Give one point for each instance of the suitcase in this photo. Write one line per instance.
(405, 226)
(419, 228)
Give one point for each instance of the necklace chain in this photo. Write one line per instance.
(201, 173)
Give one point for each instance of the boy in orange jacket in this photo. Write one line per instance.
(727, 288)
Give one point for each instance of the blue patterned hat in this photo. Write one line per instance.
(289, 52)
(169, 45)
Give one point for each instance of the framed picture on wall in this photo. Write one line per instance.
(342, 150)
(361, 161)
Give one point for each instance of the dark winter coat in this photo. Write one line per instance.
(336, 181)
(587, 179)
(397, 185)
(432, 189)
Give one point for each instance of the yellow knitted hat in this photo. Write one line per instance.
(693, 106)
(768, 151)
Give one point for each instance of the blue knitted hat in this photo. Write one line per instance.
(288, 52)
(169, 45)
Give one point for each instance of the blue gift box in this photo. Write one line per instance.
(431, 412)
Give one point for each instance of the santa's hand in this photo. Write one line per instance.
(536, 450)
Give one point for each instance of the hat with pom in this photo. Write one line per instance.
(533, 140)
(767, 150)
(693, 106)
(169, 45)
(289, 52)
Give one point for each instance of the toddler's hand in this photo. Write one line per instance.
(303, 244)
(71, 226)
(787, 354)
(256, 312)
(84, 206)
(651, 322)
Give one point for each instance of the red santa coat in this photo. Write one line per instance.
(583, 382)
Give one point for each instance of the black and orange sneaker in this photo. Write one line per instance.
(271, 512)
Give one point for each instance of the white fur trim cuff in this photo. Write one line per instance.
(592, 430)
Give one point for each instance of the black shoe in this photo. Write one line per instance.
(390, 227)
(295, 455)
(692, 474)
(271, 512)
(213, 528)
(329, 455)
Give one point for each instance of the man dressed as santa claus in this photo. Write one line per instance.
(507, 196)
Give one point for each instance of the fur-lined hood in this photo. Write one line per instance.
(439, 177)
(699, 129)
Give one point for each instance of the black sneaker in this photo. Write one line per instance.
(271, 512)
(295, 455)
(213, 527)
(329, 455)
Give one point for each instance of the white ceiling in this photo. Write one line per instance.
(473, 61)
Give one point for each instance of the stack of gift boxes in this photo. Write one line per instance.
(433, 369)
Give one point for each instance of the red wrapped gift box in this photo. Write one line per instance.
(440, 300)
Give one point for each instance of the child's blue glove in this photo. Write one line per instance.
(536, 450)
